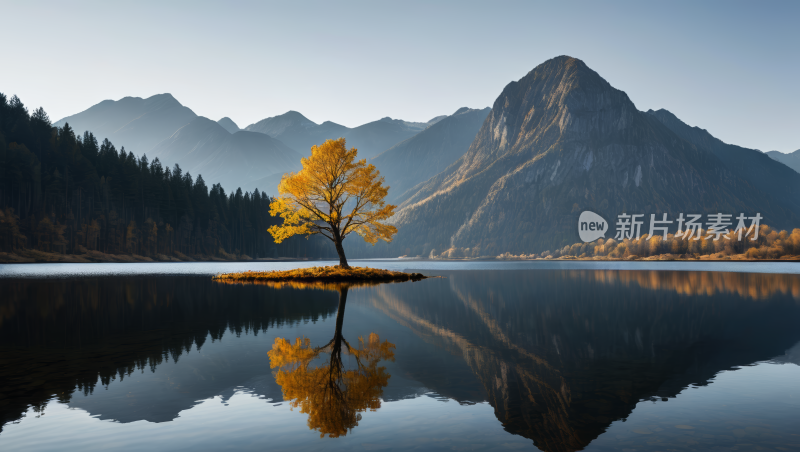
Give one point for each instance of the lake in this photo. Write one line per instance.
(554, 356)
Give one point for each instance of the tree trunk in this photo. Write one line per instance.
(340, 250)
(337, 338)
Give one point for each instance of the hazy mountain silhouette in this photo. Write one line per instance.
(559, 141)
(136, 123)
(156, 127)
(297, 131)
(229, 125)
(429, 152)
(373, 138)
(234, 160)
(434, 120)
(160, 126)
(300, 133)
(792, 159)
(767, 174)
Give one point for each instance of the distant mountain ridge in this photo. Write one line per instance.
(160, 127)
(157, 127)
(135, 123)
(792, 159)
(232, 159)
(371, 139)
(765, 173)
(429, 152)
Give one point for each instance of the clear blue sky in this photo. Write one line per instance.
(729, 67)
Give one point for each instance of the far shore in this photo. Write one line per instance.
(39, 257)
(35, 257)
(575, 259)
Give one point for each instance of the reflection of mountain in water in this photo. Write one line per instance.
(564, 354)
(63, 335)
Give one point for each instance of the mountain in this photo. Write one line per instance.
(136, 123)
(233, 160)
(228, 124)
(297, 131)
(435, 120)
(375, 137)
(429, 152)
(765, 173)
(300, 133)
(160, 126)
(792, 159)
(559, 141)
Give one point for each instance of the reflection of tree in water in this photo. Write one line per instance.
(331, 395)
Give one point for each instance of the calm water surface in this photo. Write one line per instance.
(508, 356)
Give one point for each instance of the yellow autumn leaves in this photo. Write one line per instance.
(333, 195)
(331, 395)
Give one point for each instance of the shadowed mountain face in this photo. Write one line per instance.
(135, 123)
(300, 133)
(234, 160)
(771, 177)
(792, 159)
(559, 141)
(429, 152)
(228, 124)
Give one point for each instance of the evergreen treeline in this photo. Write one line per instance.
(71, 194)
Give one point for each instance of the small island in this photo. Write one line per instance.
(329, 274)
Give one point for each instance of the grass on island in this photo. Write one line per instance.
(319, 276)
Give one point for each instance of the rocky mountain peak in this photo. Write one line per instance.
(565, 93)
(561, 98)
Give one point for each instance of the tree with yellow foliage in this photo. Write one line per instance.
(332, 396)
(333, 195)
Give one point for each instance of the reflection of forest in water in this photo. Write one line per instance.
(61, 335)
(560, 355)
